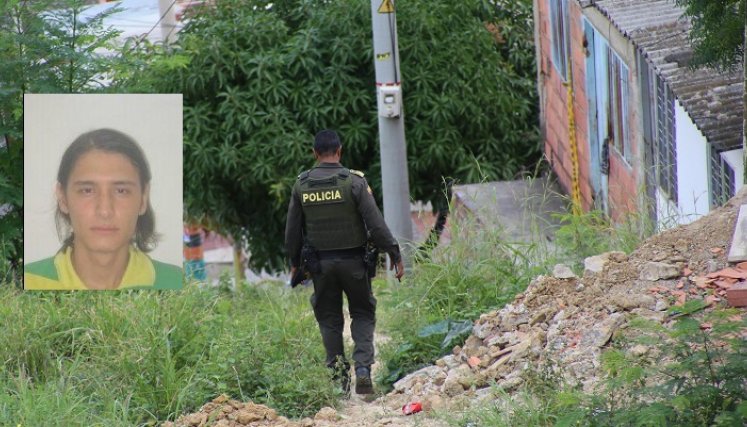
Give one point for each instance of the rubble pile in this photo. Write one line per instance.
(564, 321)
(225, 412)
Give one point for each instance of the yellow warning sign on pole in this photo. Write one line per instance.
(386, 7)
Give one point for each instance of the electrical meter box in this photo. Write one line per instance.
(390, 101)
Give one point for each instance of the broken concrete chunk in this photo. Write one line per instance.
(451, 386)
(562, 271)
(639, 350)
(473, 347)
(653, 271)
(595, 264)
(661, 305)
(510, 383)
(631, 301)
(326, 414)
(482, 330)
(492, 371)
(600, 335)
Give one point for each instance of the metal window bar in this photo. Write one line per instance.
(665, 140)
(723, 180)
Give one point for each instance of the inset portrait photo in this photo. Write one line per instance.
(102, 191)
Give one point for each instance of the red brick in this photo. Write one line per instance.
(737, 295)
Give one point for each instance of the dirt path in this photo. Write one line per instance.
(377, 410)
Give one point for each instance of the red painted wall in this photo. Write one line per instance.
(622, 180)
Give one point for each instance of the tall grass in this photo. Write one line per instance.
(591, 233)
(135, 358)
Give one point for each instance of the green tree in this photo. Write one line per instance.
(260, 78)
(719, 40)
(45, 47)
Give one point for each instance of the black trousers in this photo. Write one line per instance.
(345, 275)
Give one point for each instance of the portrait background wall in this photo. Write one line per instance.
(53, 121)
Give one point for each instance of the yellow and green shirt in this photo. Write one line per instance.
(57, 273)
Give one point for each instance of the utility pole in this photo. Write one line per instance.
(168, 20)
(394, 176)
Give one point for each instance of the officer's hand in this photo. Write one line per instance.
(398, 267)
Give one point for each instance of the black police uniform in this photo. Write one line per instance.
(333, 209)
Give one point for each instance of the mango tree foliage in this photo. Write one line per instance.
(718, 31)
(44, 48)
(260, 78)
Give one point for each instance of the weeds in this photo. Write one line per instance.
(134, 358)
(591, 233)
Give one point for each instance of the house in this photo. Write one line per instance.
(651, 135)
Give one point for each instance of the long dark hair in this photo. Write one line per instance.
(112, 141)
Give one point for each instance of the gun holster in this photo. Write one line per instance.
(310, 258)
(309, 265)
(371, 258)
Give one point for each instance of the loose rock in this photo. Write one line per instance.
(653, 271)
(326, 414)
(562, 271)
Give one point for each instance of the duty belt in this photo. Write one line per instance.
(343, 253)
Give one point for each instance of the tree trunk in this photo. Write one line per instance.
(238, 268)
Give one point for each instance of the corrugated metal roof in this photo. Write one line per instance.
(659, 30)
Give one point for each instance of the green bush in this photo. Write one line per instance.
(696, 374)
(130, 358)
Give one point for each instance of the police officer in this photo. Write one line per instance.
(332, 210)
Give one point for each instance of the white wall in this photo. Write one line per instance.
(667, 214)
(734, 159)
(692, 168)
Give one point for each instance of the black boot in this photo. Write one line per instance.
(363, 383)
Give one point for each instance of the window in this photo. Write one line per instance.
(618, 106)
(665, 145)
(722, 179)
(659, 130)
(559, 24)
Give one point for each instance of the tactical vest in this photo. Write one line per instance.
(332, 217)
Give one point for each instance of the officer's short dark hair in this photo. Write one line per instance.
(326, 142)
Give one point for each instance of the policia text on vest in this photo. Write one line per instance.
(329, 196)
